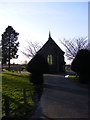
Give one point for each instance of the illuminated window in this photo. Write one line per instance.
(49, 59)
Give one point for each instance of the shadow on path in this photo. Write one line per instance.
(62, 100)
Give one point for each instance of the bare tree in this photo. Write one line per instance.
(72, 46)
(31, 49)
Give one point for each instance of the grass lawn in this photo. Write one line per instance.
(12, 86)
(72, 76)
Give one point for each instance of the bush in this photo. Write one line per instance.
(38, 64)
(81, 65)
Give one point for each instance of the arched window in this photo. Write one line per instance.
(49, 59)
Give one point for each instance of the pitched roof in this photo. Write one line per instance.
(50, 40)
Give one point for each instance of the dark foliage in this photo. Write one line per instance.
(37, 80)
(9, 45)
(38, 65)
(14, 118)
(81, 65)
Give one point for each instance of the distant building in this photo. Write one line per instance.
(54, 55)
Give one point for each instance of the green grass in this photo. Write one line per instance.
(73, 76)
(12, 86)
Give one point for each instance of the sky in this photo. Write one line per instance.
(34, 20)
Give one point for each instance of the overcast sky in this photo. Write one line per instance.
(34, 20)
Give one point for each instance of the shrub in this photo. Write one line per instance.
(81, 65)
(38, 64)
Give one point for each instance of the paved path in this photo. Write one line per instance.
(62, 98)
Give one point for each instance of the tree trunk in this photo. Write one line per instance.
(9, 56)
(9, 64)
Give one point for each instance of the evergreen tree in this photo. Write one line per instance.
(9, 45)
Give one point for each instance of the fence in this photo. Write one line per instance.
(22, 108)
